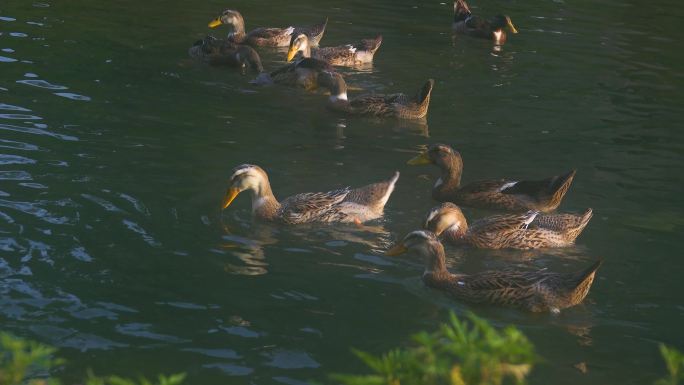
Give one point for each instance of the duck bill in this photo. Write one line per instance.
(397, 249)
(421, 159)
(510, 25)
(215, 23)
(230, 195)
(291, 53)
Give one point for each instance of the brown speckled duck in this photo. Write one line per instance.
(219, 52)
(505, 194)
(343, 55)
(530, 230)
(303, 72)
(535, 291)
(468, 24)
(344, 205)
(264, 37)
(391, 105)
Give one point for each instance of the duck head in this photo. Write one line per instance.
(446, 220)
(425, 244)
(246, 177)
(228, 17)
(299, 43)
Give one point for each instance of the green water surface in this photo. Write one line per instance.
(115, 151)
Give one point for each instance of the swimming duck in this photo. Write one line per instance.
(536, 291)
(542, 195)
(221, 52)
(392, 105)
(264, 37)
(530, 230)
(343, 55)
(344, 205)
(304, 72)
(467, 23)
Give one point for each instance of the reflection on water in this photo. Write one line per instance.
(114, 152)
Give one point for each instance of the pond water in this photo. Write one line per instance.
(115, 151)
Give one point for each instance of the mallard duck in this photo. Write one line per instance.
(530, 230)
(467, 23)
(344, 205)
(264, 37)
(343, 55)
(536, 291)
(391, 105)
(542, 195)
(221, 52)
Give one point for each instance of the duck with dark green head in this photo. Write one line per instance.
(468, 24)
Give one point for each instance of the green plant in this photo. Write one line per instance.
(25, 362)
(674, 360)
(458, 353)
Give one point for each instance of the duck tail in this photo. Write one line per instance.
(558, 187)
(461, 11)
(374, 195)
(371, 45)
(572, 232)
(423, 97)
(582, 281)
(317, 31)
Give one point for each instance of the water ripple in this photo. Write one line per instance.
(36, 131)
(42, 84)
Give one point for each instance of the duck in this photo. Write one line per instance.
(264, 37)
(343, 205)
(503, 194)
(391, 105)
(468, 24)
(221, 52)
(530, 230)
(303, 72)
(534, 291)
(344, 55)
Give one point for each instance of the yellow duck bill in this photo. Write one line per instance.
(419, 160)
(291, 53)
(230, 195)
(216, 22)
(397, 249)
(510, 25)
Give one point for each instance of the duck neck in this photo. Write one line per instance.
(450, 179)
(238, 34)
(264, 203)
(435, 266)
(305, 49)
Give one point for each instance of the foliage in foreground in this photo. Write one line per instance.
(469, 353)
(458, 353)
(25, 362)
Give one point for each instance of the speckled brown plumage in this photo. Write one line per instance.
(303, 72)
(264, 37)
(342, 205)
(391, 105)
(343, 55)
(530, 230)
(535, 291)
(541, 195)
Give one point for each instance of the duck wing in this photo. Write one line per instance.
(312, 207)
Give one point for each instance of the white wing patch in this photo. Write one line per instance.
(439, 182)
(289, 30)
(508, 185)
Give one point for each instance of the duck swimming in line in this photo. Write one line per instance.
(468, 24)
(505, 194)
(264, 37)
(343, 55)
(535, 291)
(530, 230)
(391, 105)
(343, 205)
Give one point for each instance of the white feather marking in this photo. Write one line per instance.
(352, 49)
(390, 188)
(341, 96)
(461, 283)
(432, 214)
(439, 182)
(508, 185)
(289, 30)
(243, 170)
(258, 202)
(497, 36)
